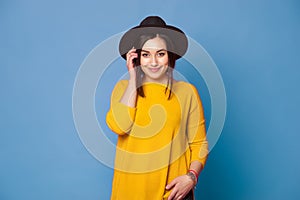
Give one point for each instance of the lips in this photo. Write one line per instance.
(154, 69)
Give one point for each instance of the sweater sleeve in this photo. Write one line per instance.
(120, 117)
(196, 130)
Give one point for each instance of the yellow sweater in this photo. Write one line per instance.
(157, 140)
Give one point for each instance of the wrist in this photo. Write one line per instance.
(132, 84)
(193, 177)
(132, 73)
(194, 172)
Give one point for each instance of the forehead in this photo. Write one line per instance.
(155, 44)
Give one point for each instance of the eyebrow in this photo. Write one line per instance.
(156, 51)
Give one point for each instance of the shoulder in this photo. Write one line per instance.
(185, 87)
(119, 88)
(121, 84)
(189, 94)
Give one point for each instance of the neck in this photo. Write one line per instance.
(162, 80)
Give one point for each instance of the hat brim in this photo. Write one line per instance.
(177, 37)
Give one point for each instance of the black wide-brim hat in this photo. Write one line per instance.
(154, 25)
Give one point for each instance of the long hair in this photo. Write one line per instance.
(171, 62)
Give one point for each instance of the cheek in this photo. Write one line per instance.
(143, 61)
(143, 68)
(164, 61)
(165, 69)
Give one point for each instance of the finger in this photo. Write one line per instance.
(130, 60)
(128, 56)
(131, 56)
(170, 185)
(178, 196)
(131, 51)
(172, 195)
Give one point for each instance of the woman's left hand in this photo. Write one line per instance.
(180, 187)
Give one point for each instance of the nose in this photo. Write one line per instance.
(154, 61)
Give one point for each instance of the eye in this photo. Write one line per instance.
(145, 55)
(161, 54)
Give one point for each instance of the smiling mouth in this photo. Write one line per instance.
(153, 69)
(156, 69)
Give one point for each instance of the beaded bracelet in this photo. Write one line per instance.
(192, 177)
(194, 172)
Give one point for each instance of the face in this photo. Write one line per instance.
(154, 60)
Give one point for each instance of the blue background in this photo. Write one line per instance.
(255, 45)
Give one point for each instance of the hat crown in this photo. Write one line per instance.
(153, 21)
(153, 25)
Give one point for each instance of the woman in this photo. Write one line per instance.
(162, 144)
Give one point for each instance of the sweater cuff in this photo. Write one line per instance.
(202, 154)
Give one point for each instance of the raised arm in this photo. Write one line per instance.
(121, 115)
(130, 94)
